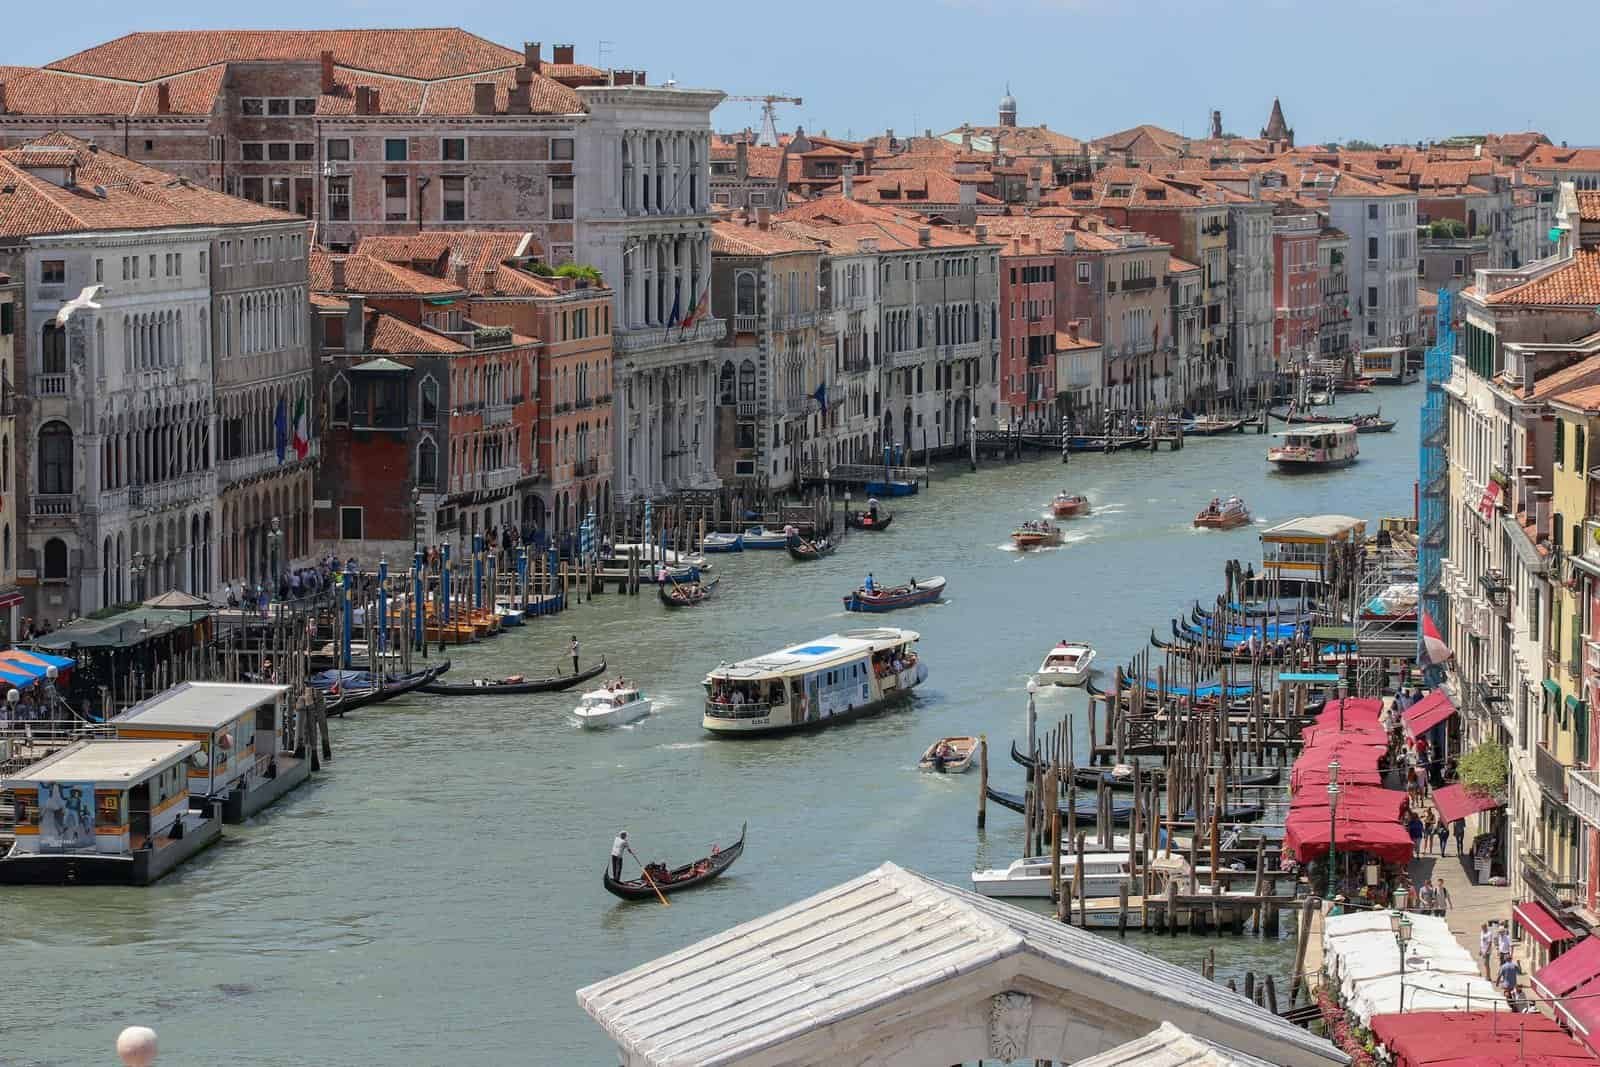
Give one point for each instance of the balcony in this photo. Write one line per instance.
(51, 385)
(970, 350)
(796, 405)
(243, 468)
(1497, 588)
(857, 365)
(641, 339)
(800, 320)
(1546, 885)
(1139, 285)
(747, 409)
(1551, 772)
(1583, 793)
(495, 414)
(746, 323)
(54, 505)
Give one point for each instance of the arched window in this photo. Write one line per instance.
(725, 382)
(744, 299)
(429, 406)
(55, 458)
(339, 401)
(427, 464)
(53, 349)
(747, 381)
(55, 559)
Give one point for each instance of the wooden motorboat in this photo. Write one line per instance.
(670, 880)
(867, 520)
(722, 542)
(1223, 514)
(1210, 426)
(949, 755)
(1036, 533)
(806, 551)
(685, 594)
(1069, 505)
(1353, 385)
(348, 690)
(617, 704)
(1066, 664)
(919, 591)
(486, 687)
(1121, 811)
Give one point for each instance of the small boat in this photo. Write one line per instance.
(668, 574)
(1372, 424)
(1295, 417)
(892, 487)
(617, 704)
(1036, 533)
(1066, 664)
(516, 683)
(918, 591)
(1353, 385)
(1121, 775)
(1326, 446)
(761, 537)
(508, 613)
(1069, 505)
(949, 755)
(1211, 426)
(873, 520)
(722, 542)
(1121, 810)
(685, 594)
(671, 880)
(806, 551)
(348, 690)
(1239, 813)
(1223, 514)
(1104, 875)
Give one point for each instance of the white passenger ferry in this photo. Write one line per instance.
(818, 683)
(1320, 446)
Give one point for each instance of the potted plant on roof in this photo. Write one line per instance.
(582, 274)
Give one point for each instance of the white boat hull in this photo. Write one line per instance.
(1059, 674)
(600, 718)
(1103, 877)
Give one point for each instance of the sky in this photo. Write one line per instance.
(1380, 70)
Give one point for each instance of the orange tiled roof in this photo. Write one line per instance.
(484, 253)
(390, 336)
(110, 193)
(1552, 157)
(915, 186)
(1575, 283)
(1065, 340)
(729, 238)
(369, 275)
(1576, 386)
(852, 220)
(1179, 266)
(1588, 205)
(761, 161)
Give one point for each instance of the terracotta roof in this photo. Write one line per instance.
(1065, 341)
(478, 249)
(1145, 138)
(371, 276)
(110, 193)
(328, 303)
(897, 187)
(1427, 298)
(1576, 386)
(730, 238)
(1179, 266)
(1589, 205)
(894, 231)
(388, 336)
(760, 161)
(1551, 157)
(1050, 229)
(1577, 282)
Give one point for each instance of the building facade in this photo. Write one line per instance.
(1297, 294)
(1381, 224)
(11, 293)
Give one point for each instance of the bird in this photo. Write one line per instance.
(83, 301)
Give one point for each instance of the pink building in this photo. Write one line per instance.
(1296, 286)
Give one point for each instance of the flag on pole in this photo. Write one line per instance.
(280, 423)
(672, 319)
(821, 396)
(302, 428)
(700, 310)
(1434, 651)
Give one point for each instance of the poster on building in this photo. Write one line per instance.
(66, 816)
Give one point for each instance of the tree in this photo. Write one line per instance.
(1358, 145)
(1447, 228)
(1483, 769)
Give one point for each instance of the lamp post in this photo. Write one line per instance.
(1033, 687)
(50, 694)
(972, 437)
(1400, 925)
(416, 532)
(12, 696)
(1333, 828)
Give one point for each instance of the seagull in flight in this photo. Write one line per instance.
(83, 301)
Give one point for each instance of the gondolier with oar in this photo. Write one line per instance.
(618, 847)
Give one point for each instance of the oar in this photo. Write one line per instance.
(652, 882)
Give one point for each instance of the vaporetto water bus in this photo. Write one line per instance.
(818, 683)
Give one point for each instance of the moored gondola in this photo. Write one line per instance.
(349, 690)
(805, 551)
(484, 687)
(670, 880)
(1121, 810)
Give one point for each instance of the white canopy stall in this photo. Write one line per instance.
(1439, 975)
(896, 969)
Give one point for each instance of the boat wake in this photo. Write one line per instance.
(681, 746)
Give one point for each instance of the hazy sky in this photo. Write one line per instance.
(1385, 70)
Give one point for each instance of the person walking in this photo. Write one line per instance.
(1459, 828)
(618, 847)
(572, 650)
(1441, 898)
(1485, 947)
(1414, 828)
(1443, 832)
(1509, 971)
(1425, 898)
(1503, 942)
(1427, 830)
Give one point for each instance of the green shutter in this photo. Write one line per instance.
(1561, 442)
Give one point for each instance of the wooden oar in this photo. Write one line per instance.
(651, 881)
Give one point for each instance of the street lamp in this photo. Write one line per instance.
(1400, 925)
(1033, 687)
(1333, 827)
(50, 695)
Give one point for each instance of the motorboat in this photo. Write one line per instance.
(949, 755)
(877, 599)
(617, 704)
(1066, 664)
(1104, 875)
(508, 613)
(1223, 514)
(722, 542)
(1313, 448)
(873, 521)
(1036, 533)
(760, 537)
(1069, 505)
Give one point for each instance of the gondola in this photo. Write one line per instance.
(1237, 813)
(1373, 425)
(486, 687)
(351, 697)
(685, 594)
(670, 881)
(1087, 777)
(805, 551)
(1121, 810)
(862, 520)
(1300, 418)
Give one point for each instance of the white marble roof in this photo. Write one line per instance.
(1168, 1046)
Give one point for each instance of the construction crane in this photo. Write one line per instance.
(769, 114)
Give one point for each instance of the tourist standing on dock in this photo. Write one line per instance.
(618, 847)
(573, 650)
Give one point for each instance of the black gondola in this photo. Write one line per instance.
(486, 687)
(670, 881)
(805, 551)
(863, 520)
(1088, 777)
(1121, 811)
(685, 594)
(349, 700)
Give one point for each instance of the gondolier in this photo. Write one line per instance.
(618, 847)
(573, 650)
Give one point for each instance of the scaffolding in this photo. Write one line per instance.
(1384, 607)
(1434, 480)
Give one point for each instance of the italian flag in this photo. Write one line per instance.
(302, 428)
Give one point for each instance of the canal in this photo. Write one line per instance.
(435, 896)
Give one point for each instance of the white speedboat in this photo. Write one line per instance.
(509, 613)
(615, 705)
(761, 537)
(1066, 664)
(1104, 875)
(722, 542)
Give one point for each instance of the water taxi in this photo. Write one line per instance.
(1069, 505)
(1104, 875)
(618, 704)
(949, 755)
(1223, 514)
(1036, 533)
(106, 813)
(1066, 664)
(821, 682)
(1313, 448)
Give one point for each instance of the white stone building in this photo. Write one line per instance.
(1250, 307)
(1381, 223)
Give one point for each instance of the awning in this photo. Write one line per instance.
(1481, 1038)
(1552, 687)
(1569, 970)
(1541, 924)
(1581, 1009)
(1455, 802)
(1306, 836)
(1428, 712)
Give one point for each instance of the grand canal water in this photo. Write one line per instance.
(435, 897)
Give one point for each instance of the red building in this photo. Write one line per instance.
(1296, 285)
(1028, 329)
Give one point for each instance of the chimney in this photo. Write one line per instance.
(462, 274)
(924, 236)
(966, 140)
(561, 55)
(521, 98)
(869, 154)
(363, 101)
(982, 233)
(638, 77)
(966, 204)
(849, 179)
(530, 55)
(355, 325)
(1034, 180)
(764, 218)
(336, 269)
(1072, 327)
(483, 98)
(328, 84)
(163, 98)
(741, 156)
(1069, 242)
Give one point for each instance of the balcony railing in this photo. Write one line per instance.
(1551, 772)
(746, 323)
(495, 414)
(1547, 886)
(746, 409)
(1498, 590)
(644, 338)
(51, 384)
(1139, 285)
(1583, 793)
(54, 504)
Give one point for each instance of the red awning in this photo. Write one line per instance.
(1541, 924)
(1569, 970)
(1479, 1038)
(1455, 802)
(1317, 777)
(1358, 711)
(1428, 712)
(1581, 1009)
(1305, 835)
(1383, 803)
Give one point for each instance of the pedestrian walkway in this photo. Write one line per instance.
(1470, 905)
